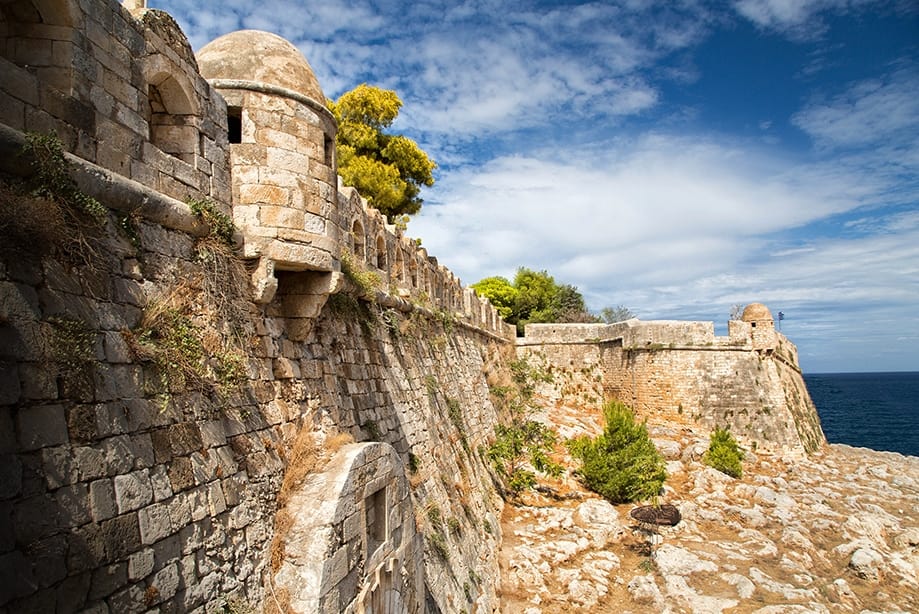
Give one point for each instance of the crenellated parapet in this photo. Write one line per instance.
(244, 125)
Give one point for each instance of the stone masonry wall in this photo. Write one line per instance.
(681, 372)
(126, 488)
(121, 93)
(154, 390)
(121, 493)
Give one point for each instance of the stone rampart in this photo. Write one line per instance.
(129, 484)
(681, 372)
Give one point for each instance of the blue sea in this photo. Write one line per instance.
(869, 410)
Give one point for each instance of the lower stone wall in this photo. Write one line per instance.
(760, 396)
(130, 485)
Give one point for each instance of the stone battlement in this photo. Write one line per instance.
(124, 93)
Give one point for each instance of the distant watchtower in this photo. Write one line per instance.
(762, 327)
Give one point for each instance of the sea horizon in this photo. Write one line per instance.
(868, 409)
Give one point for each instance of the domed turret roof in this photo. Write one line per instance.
(263, 57)
(756, 312)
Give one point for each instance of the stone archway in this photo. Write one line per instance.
(36, 35)
(353, 545)
(171, 116)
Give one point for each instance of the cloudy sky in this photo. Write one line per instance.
(676, 157)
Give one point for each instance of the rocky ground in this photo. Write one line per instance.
(837, 531)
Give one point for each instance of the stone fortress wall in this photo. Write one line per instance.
(681, 372)
(120, 495)
(116, 500)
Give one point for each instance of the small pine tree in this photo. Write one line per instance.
(621, 464)
(724, 454)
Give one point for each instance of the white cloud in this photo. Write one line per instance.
(677, 205)
(679, 227)
(779, 14)
(869, 112)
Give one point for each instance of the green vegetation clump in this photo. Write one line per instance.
(522, 446)
(724, 454)
(184, 359)
(46, 212)
(51, 177)
(365, 282)
(220, 224)
(535, 297)
(518, 446)
(72, 342)
(621, 464)
(387, 169)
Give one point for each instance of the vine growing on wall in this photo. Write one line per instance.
(185, 357)
(47, 212)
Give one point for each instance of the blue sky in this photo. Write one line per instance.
(676, 157)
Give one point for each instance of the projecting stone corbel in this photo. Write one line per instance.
(264, 283)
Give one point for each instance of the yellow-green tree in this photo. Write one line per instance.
(387, 169)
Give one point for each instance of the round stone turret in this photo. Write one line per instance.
(259, 57)
(282, 154)
(762, 327)
(756, 312)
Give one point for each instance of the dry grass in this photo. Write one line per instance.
(224, 280)
(304, 458)
(41, 226)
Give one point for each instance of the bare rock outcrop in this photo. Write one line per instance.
(837, 531)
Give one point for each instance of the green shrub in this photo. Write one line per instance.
(621, 464)
(519, 446)
(723, 453)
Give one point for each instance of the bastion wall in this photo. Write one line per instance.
(681, 372)
(336, 471)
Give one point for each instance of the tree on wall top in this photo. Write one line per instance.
(534, 296)
(387, 169)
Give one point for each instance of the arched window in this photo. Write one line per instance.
(172, 119)
(399, 272)
(413, 272)
(357, 241)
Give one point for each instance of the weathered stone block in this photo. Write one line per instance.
(159, 480)
(140, 564)
(166, 582)
(265, 195)
(41, 426)
(180, 473)
(108, 579)
(81, 420)
(121, 535)
(185, 438)
(179, 511)
(131, 600)
(36, 382)
(154, 523)
(133, 491)
(102, 500)
(285, 368)
(73, 504)
(59, 466)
